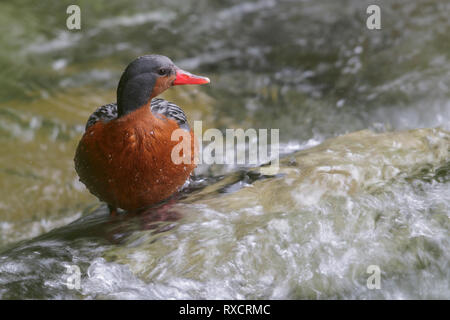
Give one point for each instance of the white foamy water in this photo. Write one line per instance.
(310, 232)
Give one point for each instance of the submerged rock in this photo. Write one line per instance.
(311, 231)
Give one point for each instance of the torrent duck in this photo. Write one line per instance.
(124, 156)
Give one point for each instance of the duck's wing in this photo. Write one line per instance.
(104, 113)
(158, 106)
(171, 111)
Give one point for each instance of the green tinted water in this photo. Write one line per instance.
(311, 69)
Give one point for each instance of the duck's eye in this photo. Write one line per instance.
(162, 71)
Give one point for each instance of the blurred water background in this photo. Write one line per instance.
(312, 69)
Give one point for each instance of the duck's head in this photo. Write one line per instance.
(148, 76)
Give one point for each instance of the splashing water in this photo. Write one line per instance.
(309, 232)
(340, 203)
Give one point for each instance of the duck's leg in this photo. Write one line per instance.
(112, 210)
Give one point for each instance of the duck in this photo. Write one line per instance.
(124, 157)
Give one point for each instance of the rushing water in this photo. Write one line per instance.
(344, 199)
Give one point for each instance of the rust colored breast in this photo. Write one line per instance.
(127, 162)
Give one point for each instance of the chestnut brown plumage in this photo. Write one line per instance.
(124, 157)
